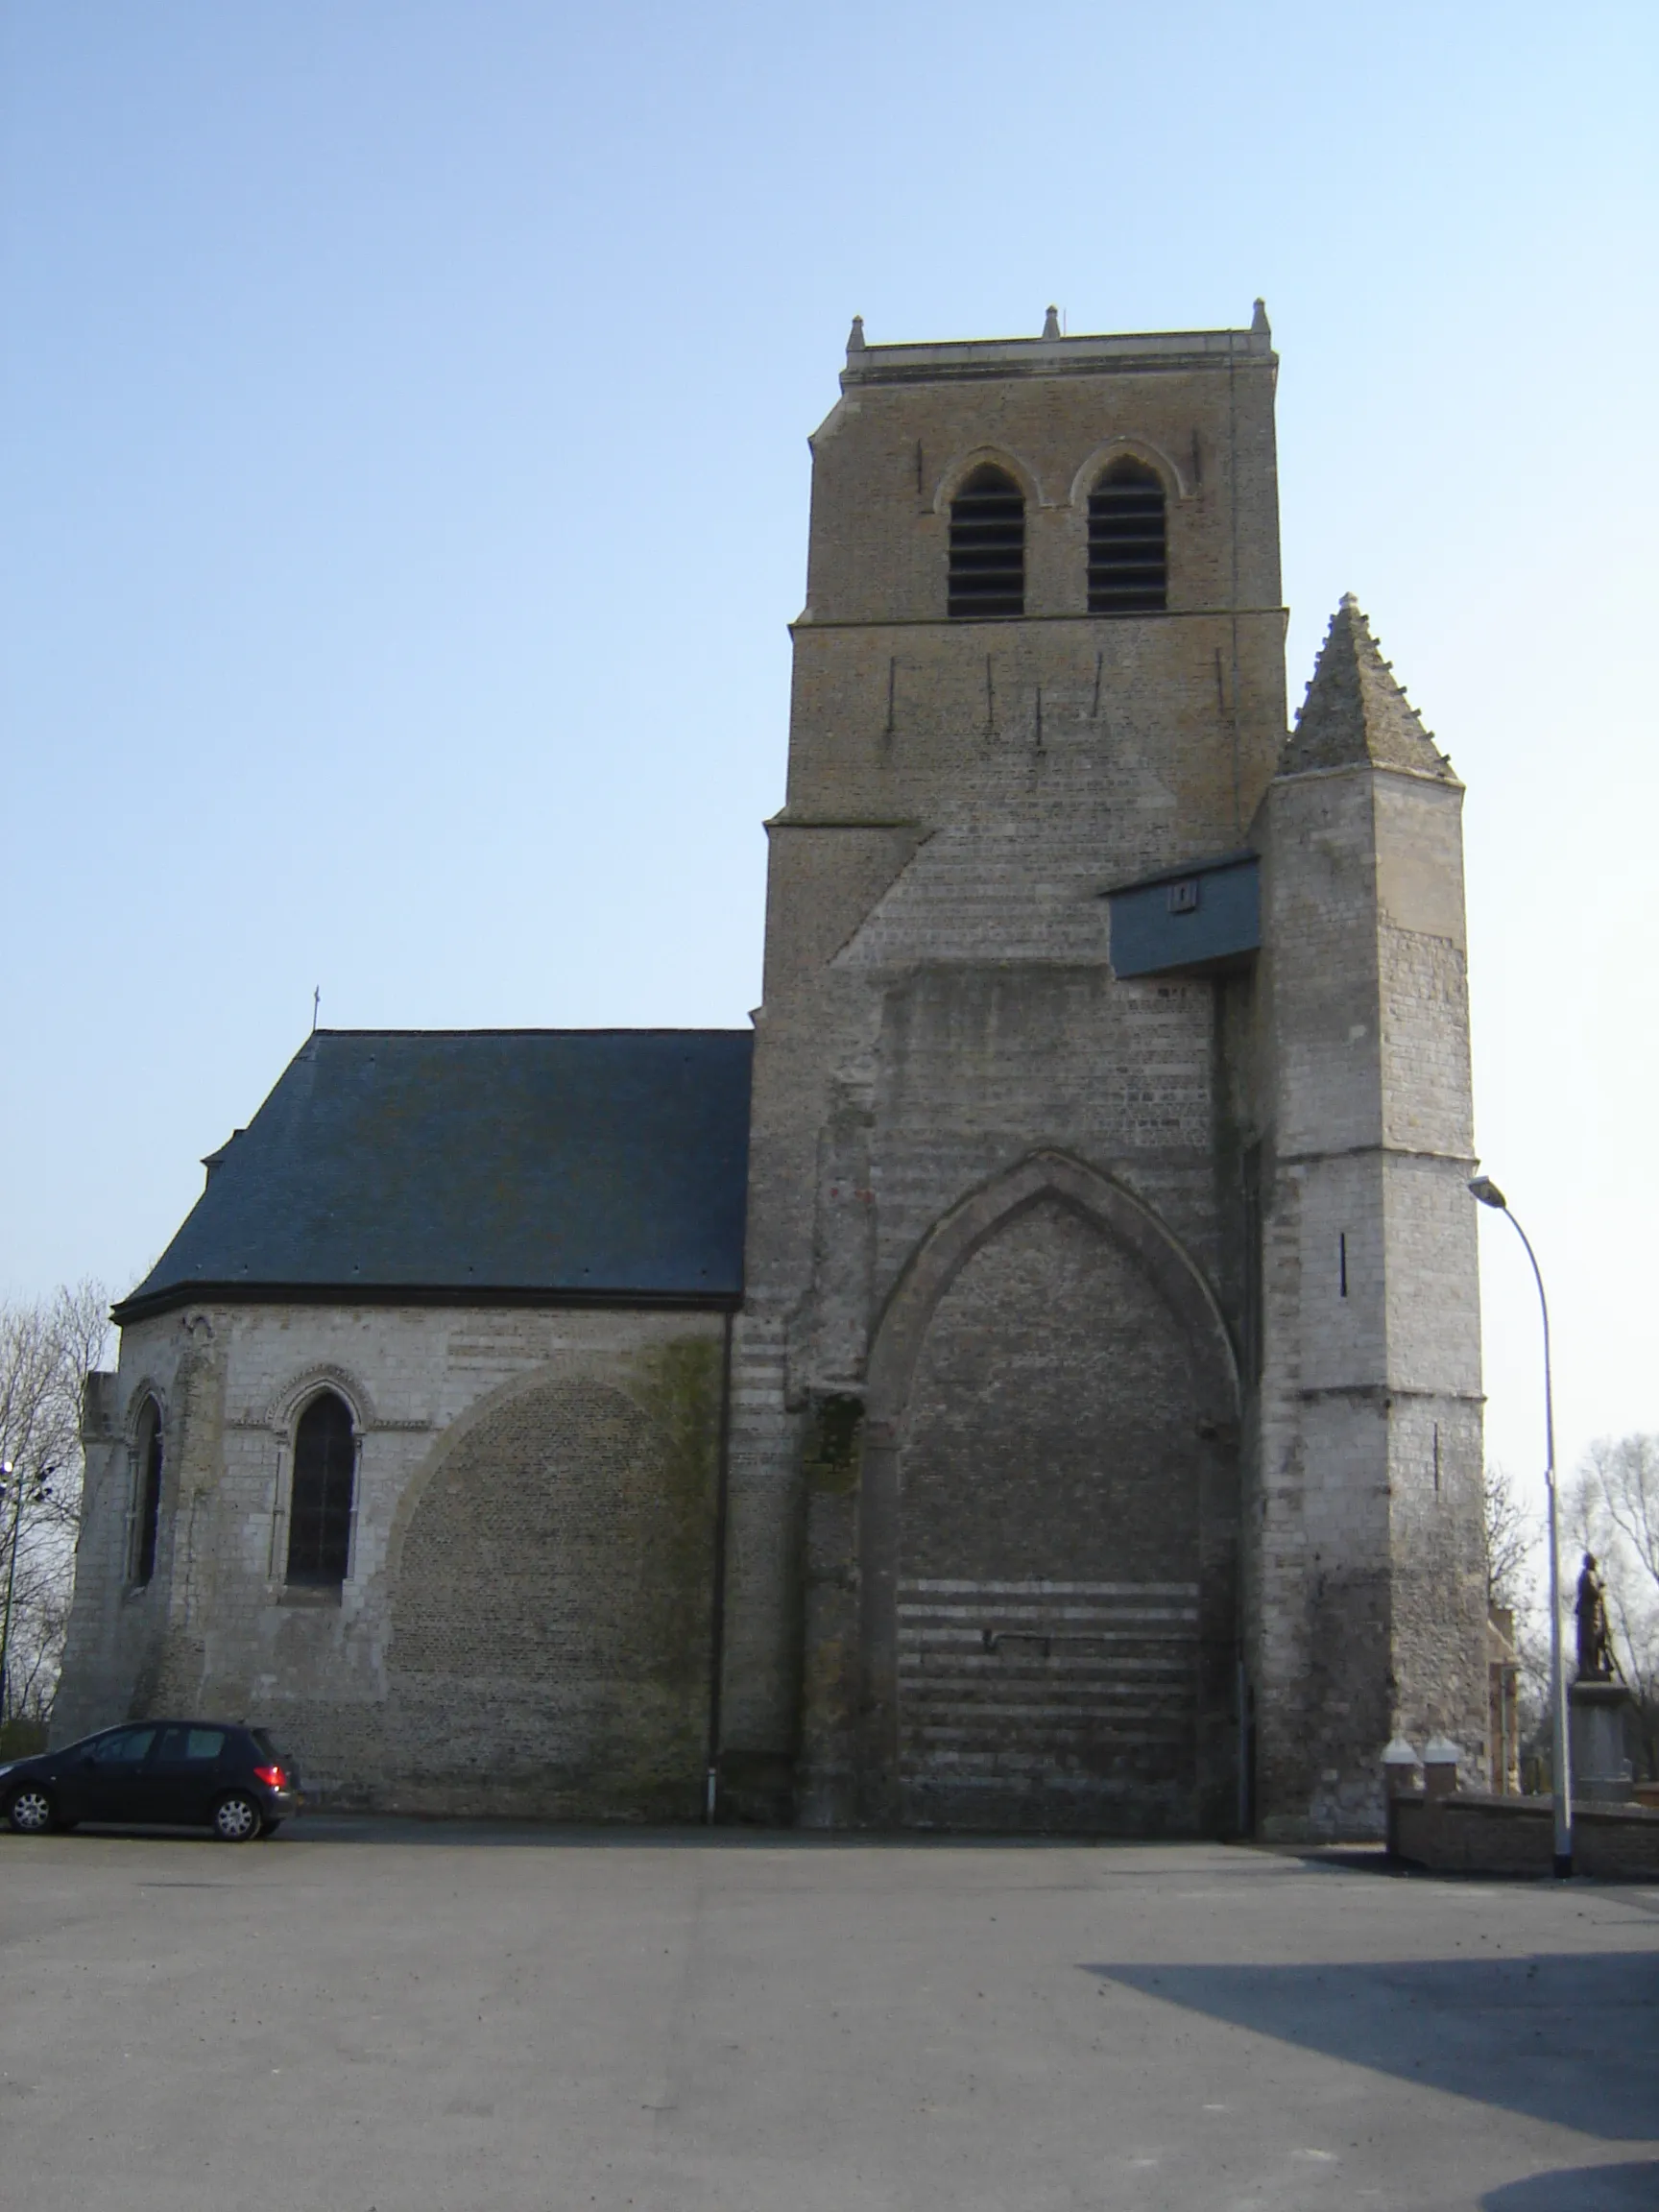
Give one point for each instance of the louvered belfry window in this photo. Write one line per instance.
(988, 545)
(1128, 561)
(320, 1511)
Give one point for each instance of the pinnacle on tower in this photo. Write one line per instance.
(1052, 323)
(1259, 319)
(855, 336)
(1355, 713)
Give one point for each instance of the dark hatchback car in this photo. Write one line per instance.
(179, 1773)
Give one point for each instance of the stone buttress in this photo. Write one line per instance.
(1365, 1582)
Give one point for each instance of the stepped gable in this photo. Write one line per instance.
(1355, 713)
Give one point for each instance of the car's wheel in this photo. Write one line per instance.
(236, 1819)
(30, 1809)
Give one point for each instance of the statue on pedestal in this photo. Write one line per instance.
(1596, 1663)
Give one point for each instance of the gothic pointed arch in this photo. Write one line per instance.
(1048, 1519)
(1129, 446)
(284, 1408)
(956, 472)
(323, 1492)
(1128, 527)
(145, 1391)
(952, 1240)
(986, 549)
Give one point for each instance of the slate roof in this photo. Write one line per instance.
(598, 1163)
(1357, 713)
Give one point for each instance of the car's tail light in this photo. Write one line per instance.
(272, 1777)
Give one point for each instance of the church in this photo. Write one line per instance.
(1028, 1380)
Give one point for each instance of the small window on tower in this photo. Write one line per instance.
(988, 545)
(320, 1511)
(1128, 565)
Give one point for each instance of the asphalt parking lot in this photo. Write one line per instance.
(397, 2017)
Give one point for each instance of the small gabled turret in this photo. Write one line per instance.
(1372, 1578)
(1355, 713)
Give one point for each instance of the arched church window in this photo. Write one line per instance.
(1128, 562)
(147, 1492)
(988, 545)
(321, 1505)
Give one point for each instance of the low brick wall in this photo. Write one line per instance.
(1468, 1835)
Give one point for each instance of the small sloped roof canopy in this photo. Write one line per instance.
(574, 1163)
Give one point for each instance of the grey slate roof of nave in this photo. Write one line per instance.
(609, 1163)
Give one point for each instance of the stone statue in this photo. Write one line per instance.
(1595, 1650)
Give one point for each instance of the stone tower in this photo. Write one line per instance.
(1058, 1498)
(987, 1399)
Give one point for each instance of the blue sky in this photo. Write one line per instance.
(402, 497)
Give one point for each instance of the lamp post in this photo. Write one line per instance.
(1488, 1193)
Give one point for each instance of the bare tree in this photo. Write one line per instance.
(1626, 1473)
(1511, 1538)
(1614, 1513)
(47, 1348)
(1513, 1535)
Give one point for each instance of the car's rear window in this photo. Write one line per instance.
(262, 1738)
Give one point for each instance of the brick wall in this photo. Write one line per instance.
(1474, 1834)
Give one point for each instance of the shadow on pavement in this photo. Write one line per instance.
(1580, 2189)
(1571, 2038)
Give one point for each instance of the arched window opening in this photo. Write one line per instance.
(1128, 561)
(320, 1508)
(147, 1492)
(988, 545)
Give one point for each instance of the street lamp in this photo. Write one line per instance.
(1488, 1193)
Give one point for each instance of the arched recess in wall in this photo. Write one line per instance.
(1048, 1519)
(551, 1572)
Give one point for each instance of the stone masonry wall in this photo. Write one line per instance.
(1048, 1547)
(526, 1625)
(1365, 1547)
